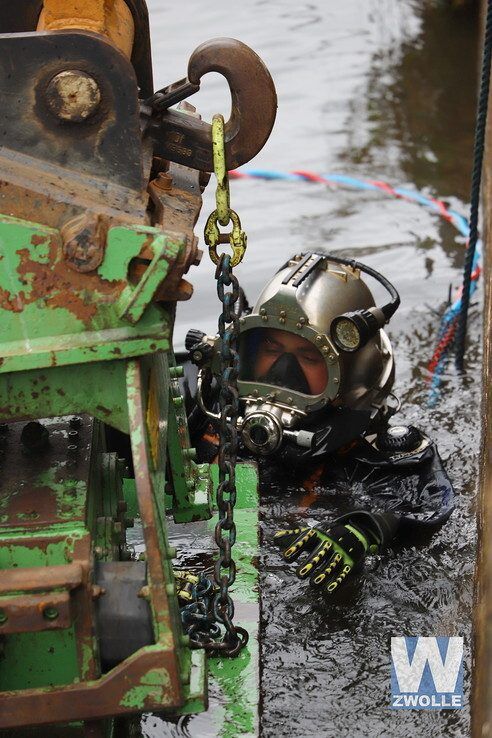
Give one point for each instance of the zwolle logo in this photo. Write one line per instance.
(427, 673)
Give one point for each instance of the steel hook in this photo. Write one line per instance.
(187, 140)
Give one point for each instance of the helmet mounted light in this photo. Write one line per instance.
(351, 331)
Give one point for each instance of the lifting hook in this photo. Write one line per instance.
(187, 140)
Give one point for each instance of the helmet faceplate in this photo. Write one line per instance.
(302, 299)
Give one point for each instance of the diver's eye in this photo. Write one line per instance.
(271, 350)
(311, 360)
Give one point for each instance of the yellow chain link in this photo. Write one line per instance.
(223, 213)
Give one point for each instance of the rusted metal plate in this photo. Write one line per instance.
(32, 613)
(162, 590)
(23, 16)
(44, 526)
(176, 195)
(148, 680)
(108, 143)
(53, 315)
(56, 195)
(45, 486)
(41, 579)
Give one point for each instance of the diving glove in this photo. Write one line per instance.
(186, 584)
(338, 549)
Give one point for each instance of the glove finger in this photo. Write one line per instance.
(185, 593)
(182, 575)
(315, 559)
(305, 542)
(335, 564)
(284, 537)
(338, 579)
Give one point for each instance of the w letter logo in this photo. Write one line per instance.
(426, 673)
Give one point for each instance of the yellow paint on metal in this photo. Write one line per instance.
(222, 196)
(111, 18)
(223, 214)
(152, 419)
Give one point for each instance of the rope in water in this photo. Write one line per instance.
(478, 152)
(449, 322)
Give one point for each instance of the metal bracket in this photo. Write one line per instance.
(134, 299)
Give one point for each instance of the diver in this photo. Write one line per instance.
(316, 374)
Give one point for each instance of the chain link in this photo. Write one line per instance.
(223, 213)
(214, 605)
(229, 293)
(225, 530)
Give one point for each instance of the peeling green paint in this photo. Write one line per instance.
(123, 245)
(153, 686)
(14, 554)
(42, 659)
(101, 393)
(238, 678)
(87, 661)
(239, 683)
(71, 495)
(52, 316)
(67, 347)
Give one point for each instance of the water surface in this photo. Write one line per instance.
(372, 88)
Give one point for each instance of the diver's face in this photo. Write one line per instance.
(276, 342)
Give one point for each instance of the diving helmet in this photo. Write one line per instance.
(316, 368)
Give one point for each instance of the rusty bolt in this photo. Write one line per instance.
(144, 592)
(50, 612)
(84, 238)
(163, 181)
(73, 96)
(97, 591)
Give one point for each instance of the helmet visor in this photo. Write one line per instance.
(276, 357)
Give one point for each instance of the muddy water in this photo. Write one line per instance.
(381, 89)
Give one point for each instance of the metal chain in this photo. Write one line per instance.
(228, 291)
(195, 593)
(225, 530)
(223, 213)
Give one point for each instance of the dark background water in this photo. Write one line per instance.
(382, 89)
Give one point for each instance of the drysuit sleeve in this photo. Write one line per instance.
(413, 486)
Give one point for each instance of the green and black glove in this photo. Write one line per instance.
(338, 549)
